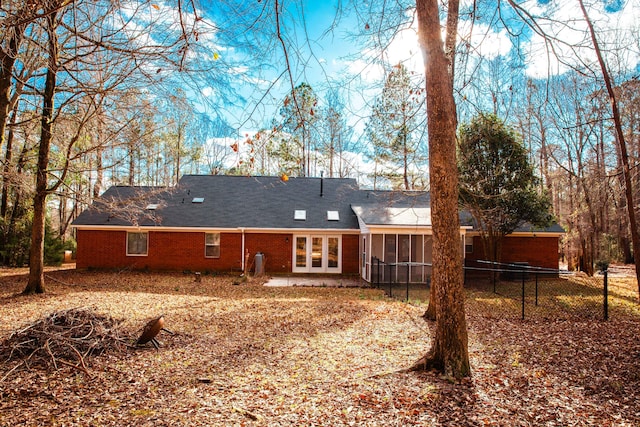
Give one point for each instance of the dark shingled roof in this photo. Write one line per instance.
(264, 202)
(230, 202)
(525, 227)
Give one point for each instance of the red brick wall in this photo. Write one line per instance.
(537, 251)
(276, 249)
(103, 249)
(167, 251)
(185, 251)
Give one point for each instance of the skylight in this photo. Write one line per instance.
(152, 206)
(333, 216)
(300, 215)
(198, 200)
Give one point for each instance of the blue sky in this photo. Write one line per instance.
(323, 52)
(328, 59)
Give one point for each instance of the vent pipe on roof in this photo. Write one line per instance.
(321, 183)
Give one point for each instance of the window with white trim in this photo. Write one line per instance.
(212, 245)
(137, 243)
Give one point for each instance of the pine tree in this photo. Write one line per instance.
(394, 131)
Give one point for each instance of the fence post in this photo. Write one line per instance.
(378, 272)
(536, 289)
(606, 296)
(464, 272)
(523, 295)
(407, 282)
(493, 276)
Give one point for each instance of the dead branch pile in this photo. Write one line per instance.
(66, 337)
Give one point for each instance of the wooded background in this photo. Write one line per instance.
(114, 93)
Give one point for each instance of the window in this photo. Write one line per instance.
(468, 247)
(301, 252)
(333, 216)
(212, 245)
(316, 251)
(300, 215)
(198, 200)
(137, 244)
(152, 206)
(333, 252)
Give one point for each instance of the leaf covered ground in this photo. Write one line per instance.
(249, 355)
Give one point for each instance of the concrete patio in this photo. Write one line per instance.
(328, 282)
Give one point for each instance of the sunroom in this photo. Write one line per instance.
(396, 243)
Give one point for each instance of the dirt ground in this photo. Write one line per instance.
(242, 354)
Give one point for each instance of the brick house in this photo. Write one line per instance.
(300, 225)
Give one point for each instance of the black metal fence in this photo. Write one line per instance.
(505, 289)
(402, 280)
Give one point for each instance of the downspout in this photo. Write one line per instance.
(368, 260)
(242, 251)
(464, 247)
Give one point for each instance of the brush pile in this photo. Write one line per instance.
(67, 338)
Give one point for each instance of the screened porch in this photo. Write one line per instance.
(397, 257)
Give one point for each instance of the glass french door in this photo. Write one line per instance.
(317, 254)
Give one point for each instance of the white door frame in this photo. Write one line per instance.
(310, 255)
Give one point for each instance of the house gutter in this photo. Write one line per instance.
(242, 257)
(219, 230)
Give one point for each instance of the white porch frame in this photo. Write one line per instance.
(313, 253)
(385, 244)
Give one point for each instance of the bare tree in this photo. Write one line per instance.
(36, 254)
(449, 352)
(335, 136)
(14, 50)
(622, 144)
(580, 60)
(72, 35)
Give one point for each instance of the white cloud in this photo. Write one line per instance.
(405, 48)
(152, 24)
(617, 32)
(484, 41)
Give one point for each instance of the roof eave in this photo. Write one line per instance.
(218, 229)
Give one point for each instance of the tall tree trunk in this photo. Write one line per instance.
(8, 59)
(449, 352)
(617, 122)
(546, 180)
(18, 209)
(7, 175)
(132, 163)
(97, 186)
(7, 178)
(331, 155)
(405, 162)
(36, 253)
(450, 54)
